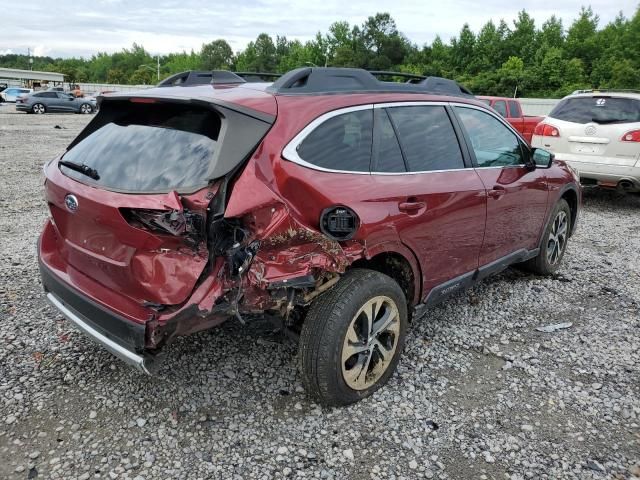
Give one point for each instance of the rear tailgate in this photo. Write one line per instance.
(129, 199)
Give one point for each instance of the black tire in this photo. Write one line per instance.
(543, 264)
(38, 108)
(324, 332)
(85, 108)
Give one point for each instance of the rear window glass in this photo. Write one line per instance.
(149, 148)
(427, 138)
(342, 142)
(601, 109)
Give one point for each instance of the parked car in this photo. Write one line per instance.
(598, 134)
(55, 89)
(330, 200)
(43, 102)
(511, 109)
(12, 93)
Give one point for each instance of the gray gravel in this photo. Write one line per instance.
(480, 393)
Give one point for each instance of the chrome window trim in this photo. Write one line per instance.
(495, 115)
(290, 152)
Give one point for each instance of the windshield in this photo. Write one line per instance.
(149, 148)
(601, 109)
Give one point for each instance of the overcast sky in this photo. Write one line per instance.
(82, 28)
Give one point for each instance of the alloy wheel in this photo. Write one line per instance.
(557, 238)
(38, 108)
(85, 108)
(370, 343)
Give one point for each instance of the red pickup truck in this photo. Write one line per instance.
(511, 110)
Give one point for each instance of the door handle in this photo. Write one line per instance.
(411, 206)
(497, 191)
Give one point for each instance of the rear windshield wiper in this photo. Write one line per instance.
(84, 169)
(606, 120)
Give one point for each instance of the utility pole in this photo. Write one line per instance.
(158, 58)
(30, 58)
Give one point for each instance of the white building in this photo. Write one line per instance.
(29, 78)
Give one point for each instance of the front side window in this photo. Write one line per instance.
(342, 142)
(493, 143)
(427, 138)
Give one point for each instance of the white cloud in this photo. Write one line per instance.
(85, 27)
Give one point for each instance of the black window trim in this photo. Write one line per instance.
(524, 146)
(290, 152)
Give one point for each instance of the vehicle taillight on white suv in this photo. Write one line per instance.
(546, 130)
(598, 134)
(632, 136)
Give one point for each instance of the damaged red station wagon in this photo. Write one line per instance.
(329, 199)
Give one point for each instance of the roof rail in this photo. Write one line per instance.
(606, 90)
(258, 76)
(411, 77)
(192, 77)
(311, 80)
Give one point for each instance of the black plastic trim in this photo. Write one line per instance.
(129, 334)
(322, 80)
(466, 280)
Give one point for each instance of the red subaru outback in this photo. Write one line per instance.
(329, 199)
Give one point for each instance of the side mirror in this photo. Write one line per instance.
(541, 158)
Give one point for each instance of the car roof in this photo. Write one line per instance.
(606, 93)
(256, 96)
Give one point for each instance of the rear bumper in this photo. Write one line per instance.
(121, 337)
(609, 174)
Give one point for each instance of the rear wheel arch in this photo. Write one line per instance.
(399, 263)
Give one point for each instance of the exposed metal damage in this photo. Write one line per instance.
(265, 261)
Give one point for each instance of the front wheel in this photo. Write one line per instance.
(352, 338)
(85, 108)
(38, 108)
(554, 241)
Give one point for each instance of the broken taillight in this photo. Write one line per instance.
(172, 222)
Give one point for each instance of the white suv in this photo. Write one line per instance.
(597, 132)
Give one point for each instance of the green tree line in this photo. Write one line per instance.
(501, 59)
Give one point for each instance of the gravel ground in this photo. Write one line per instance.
(479, 393)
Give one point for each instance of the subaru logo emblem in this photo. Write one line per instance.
(71, 203)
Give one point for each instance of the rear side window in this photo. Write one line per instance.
(501, 107)
(46, 95)
(342, 142)
(493, 143)
(387, 153)
(600, 109)
(427, 138)
(149, 148)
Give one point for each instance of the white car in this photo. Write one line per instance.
(11, 93)
(597, 132)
